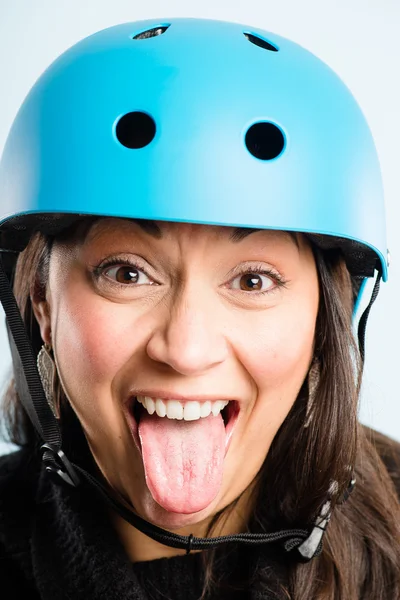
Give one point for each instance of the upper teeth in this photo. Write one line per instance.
(173, 409)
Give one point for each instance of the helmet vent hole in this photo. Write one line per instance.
(149, 33)
(265, 141)
(135, 130)
(254, 39)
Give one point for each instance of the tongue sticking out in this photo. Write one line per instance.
(183, 460)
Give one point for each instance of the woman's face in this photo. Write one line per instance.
(185, 319)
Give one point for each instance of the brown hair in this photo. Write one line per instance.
(361, 552)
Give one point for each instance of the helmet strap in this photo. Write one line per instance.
(362, 324)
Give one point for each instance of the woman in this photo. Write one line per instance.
(189, 202)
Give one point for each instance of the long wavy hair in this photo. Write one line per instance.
(312, 449)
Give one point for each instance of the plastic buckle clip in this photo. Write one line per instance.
(312, 545)
(58, 464)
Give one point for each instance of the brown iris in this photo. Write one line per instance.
(127, 275)
(250, 282)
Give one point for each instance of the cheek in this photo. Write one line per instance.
(86, 339)
(94, 341)
(279, 349)
(275, 348)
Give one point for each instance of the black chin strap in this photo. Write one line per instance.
(306, 543)
(362, 324)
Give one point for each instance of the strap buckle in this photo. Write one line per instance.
(58, 465)
(312, 545)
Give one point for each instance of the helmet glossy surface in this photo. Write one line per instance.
(207, 122)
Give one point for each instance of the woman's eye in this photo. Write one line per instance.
(127, 274)
(250, 282)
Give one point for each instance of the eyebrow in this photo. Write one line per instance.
(237, 235)
(149, 227)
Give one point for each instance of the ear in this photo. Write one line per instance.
(41, 310)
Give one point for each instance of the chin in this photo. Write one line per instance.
(156, 514)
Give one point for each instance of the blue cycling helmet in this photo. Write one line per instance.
(200, 121)
(188, 120)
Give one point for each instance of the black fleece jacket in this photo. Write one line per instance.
(57, 543)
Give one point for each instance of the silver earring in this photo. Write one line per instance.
(47, 372)
(313, 382)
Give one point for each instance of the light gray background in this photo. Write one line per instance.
(359, 39)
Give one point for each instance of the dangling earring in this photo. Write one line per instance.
(47, 372)
(313, 382)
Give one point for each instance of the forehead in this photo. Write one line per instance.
(164, 230)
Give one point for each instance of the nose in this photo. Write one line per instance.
(190, 339)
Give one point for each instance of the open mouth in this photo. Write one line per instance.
(182, 411)
(183, 444)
